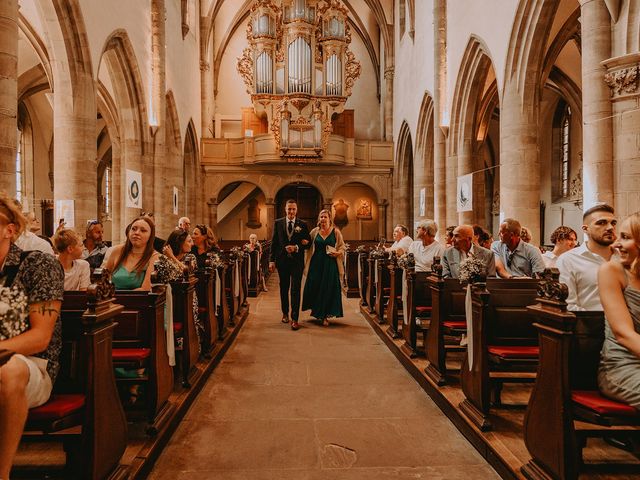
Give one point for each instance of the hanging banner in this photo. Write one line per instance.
(65, 213)
(134, 189)
(175, 200)
(464, 196)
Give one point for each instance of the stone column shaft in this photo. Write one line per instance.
(388, 104)
(439, 106)
(206, 82)
(597, 134)
(8, 94)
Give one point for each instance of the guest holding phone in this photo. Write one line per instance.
(324, 270)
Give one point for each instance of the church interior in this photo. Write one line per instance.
(383, 113)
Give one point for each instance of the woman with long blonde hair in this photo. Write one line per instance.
(619, 285)
(324, 270)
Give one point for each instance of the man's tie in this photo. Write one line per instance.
(290, 228)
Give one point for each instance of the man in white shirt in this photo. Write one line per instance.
(425, 248)
(29, 241)
(579, 267)
(401, 238)
(563, 239)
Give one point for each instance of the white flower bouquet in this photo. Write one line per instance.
(471, 270)
(13, 312)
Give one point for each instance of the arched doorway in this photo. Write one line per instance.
(403, 179)
(356, 212)
(308, 198)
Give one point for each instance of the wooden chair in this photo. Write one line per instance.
(504, 342)
(85, 393)
(566, 407)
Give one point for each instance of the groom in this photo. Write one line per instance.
(290, 240)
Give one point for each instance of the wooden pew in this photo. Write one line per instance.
(417, 319)
(566, 407)
(504, 341)
(140, 342)
(370, 294)
(447, 319)
(85, 393)
(382, 284)
(351, 273)
(184, 324)
(223, 313)
(205, 288)
(254, 282)
(363, 280)
(394, 301)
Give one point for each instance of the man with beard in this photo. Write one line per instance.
(579, 266)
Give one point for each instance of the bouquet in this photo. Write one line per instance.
(166, 270)
(471, 270)
(215, 259)
(407, 261)
(13, 312)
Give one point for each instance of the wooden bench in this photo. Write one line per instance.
(394, 298)
(382, 283)
(140, 342)
(370, 294)
(205, 288)
(566, 407)
(254, 282)
(351, 273)
(363, 273)
(85, 393)
(223, 313)
(504, 343)
(417, 312)
(448, 319)
(184, 324)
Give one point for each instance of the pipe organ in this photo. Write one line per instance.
(299, 71)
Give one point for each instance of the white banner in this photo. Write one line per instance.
(175, 200)
(65, 212)
(134, 189)
(464, 195)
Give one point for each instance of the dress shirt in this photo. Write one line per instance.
(403, 243)
(526, 259)
(424, 255)
(30, 241)
(78, 277)
(549, 259)
(579, 271)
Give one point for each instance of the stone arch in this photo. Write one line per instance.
(121, 65)
(423, 161)
(403, 178)
(242, 209)
(173, 170)
(349, 202)
(190, 169)
(474, 100)
(309, 196)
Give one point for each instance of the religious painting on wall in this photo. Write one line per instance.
(364, 210)
(340, 218)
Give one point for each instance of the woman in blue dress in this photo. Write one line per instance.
(132, 262)
(324, 271)
(619, 285)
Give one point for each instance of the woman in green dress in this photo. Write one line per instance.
(324, 271)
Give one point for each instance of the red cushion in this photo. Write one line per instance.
(593, 400)
(423, 309)
(177, 327)
(456, 325)
(514, 352)
(58, 406)
(130, 354)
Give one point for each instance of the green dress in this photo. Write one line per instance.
(322, 292)
(125, 280)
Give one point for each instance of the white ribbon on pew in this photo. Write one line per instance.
(405, 312)
(217, 300)
(168, 327)
(375, 269)
(236, 280)
(468, 310)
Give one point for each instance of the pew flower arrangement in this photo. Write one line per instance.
(215, 259)
(471, 270)
(13, 312)
(407, 261)
(166, 270)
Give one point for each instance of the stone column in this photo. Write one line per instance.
(388, 104)
(597, 133)
(213, 214)
(520, 170)
(206, 81)
(623, 77)
(439, 105)
(382, 219)
(8, 94)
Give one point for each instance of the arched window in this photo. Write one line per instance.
(561, 152)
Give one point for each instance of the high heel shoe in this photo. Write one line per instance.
(325, 322)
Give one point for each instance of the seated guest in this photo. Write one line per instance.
(253, 243)
(212, 241)
(178, 245)
(94, 249)
(563, 239)
(401, 239)
(27, 379)
(482, 237)
(132, 262)
(202, 244)
(77, 272)
(463, 247)
(579, 267)
(30, 241)
(426, 247)
(525, 235)
(184, 224)
(619, 282)
(449, 239)
(515, 258)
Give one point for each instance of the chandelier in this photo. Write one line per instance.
(299, 71)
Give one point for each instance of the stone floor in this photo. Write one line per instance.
(320, 403)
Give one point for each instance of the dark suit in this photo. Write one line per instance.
(290, 266)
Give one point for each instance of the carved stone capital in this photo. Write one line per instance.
(389, 72)
(204, 66)
(623, 81)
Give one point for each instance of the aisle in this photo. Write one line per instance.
(321, 403)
